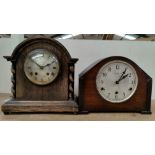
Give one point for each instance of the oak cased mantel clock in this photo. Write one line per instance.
(115, 84)
(42, 78)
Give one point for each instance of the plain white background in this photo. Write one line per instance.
(77, 17)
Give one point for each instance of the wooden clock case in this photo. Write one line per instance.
(57, 96)
(91, 101)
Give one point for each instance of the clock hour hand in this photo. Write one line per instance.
(49, 63)
(124, 76)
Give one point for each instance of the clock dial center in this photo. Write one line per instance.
(41, 66)
(116, 81)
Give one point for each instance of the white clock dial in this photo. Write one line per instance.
(116, 81)
(41, 67)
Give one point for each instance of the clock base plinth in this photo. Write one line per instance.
(17, 106)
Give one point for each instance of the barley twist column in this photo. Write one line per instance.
(13, 88)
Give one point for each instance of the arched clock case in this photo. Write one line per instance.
(42, 78)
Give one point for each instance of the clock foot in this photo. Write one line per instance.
(146, 112)
(6, 113)
(83, 112)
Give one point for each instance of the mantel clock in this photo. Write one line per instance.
(42, 78)
(115, 84)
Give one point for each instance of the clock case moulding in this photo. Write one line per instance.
(58, 96)
(91, 101)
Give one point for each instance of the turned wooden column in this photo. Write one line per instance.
(71, 79)
(13, 80)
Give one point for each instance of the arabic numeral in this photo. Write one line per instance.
(104, 74)
(130, 74)
(109, 69)
(133, 82)
(117, 67)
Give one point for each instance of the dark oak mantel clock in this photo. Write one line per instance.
(42, 78)
(115, 84)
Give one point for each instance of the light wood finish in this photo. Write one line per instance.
(81, 117)
(57, 96)
(14, 106)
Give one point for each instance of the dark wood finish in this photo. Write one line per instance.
(91, 101)
(61, 89)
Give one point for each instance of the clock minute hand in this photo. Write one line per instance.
(41, 67)
(117, 82)
(123, 73)
(123, 77)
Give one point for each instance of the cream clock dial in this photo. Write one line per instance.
(116, 81)
(41, 67)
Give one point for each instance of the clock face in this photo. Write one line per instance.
(41, 67)
(116, 81)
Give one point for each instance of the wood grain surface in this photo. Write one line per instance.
(28, 95)
(90, 100)
(14, 106)
(81, 117)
